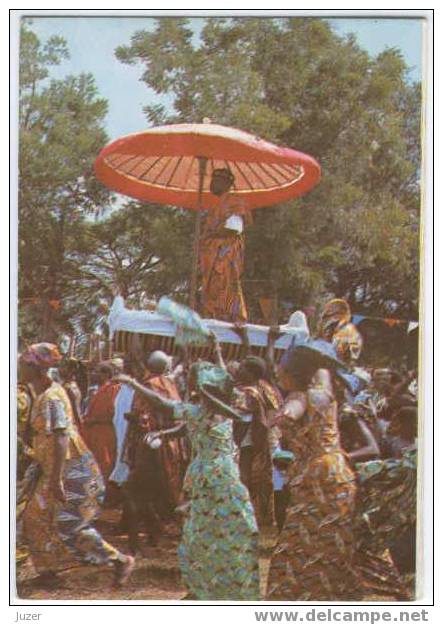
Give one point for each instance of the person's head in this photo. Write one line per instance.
(118, 364)
(251, 370)
(158, 362)
(204, 374)
(381, 380)
(295, 375)
(302, 360)
(335, 312)
(221, 181)
(36, 360)
(68, 369)
(105, 372)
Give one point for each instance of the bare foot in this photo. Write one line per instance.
(123, 571)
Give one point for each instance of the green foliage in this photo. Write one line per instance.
(296, 82)
(293, 81)
(60, 134)
(141, 249)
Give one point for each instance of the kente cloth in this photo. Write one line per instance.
(60, 533)
(314, 557)
(256, 459)
(123, 404)
(221, 262)
(164, 467)
(218, 553)
(98, 427)
(386, 508)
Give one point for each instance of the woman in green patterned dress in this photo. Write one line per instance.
(218, 553)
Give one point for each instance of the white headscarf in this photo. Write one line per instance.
(297, 325)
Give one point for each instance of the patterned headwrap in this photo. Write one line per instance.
(335, 312)
(216, 385)
(256, 365)
(43, 355)
(209, 375)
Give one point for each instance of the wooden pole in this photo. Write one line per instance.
(202, 162)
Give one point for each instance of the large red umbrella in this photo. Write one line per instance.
(173, 165)
(163, 165)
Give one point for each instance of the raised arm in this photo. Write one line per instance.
(156, 400)
(242, 331)
(273, 334)
(219, 361)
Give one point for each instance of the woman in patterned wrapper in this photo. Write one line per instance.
(314, 558)
(68, 487)
(221, 251)
(218, 552)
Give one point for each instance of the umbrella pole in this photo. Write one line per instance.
(202, 162)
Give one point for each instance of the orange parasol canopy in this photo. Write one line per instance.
(163, 165)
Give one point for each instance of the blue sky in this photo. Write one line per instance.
(92, 42)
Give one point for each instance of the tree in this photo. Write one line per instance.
(142, 249)
(60, 133)
(296, 82)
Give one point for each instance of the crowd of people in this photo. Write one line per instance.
(307, 447)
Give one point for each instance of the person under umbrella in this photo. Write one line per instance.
(221, 252)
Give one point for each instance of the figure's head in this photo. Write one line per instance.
(221, 181)
(205, 375)
(251, 370)
(381, 380)
(68, 369)
(158, 362)
(36, 360)
(303, 359)
(335, 312)
(105, 373)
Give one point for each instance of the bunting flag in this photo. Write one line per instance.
(389, 321)
(55, 304)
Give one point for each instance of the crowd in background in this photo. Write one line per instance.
(311, 448)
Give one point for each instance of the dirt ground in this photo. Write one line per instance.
(156, 575)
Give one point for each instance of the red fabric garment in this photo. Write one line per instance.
(98, 427)
(221, 262)
(172, 453)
